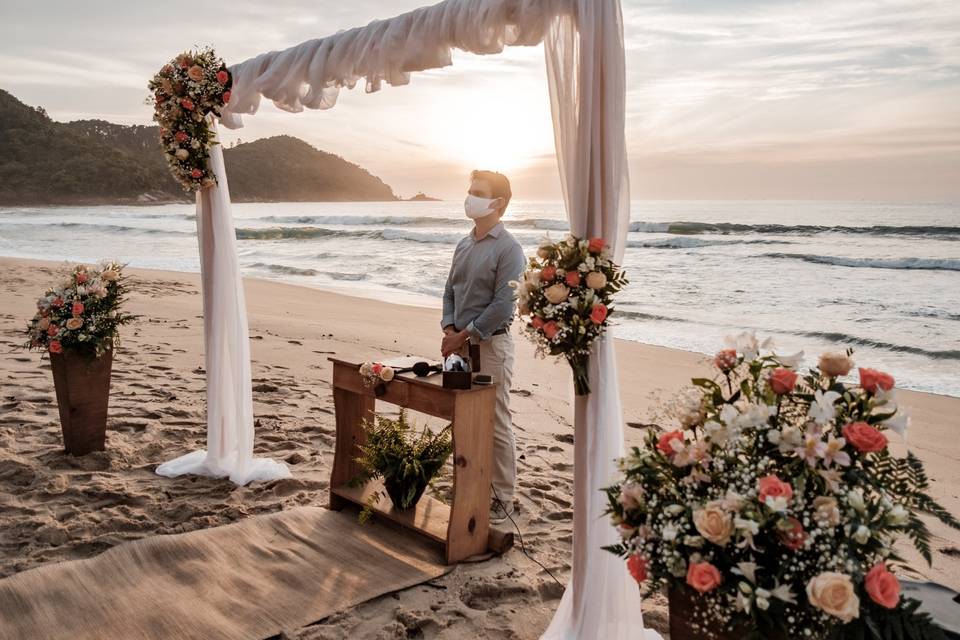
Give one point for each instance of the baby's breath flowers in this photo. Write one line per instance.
(188, 89)
(565, 299)
(774, 503)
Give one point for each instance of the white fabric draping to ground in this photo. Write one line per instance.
(226, 339)
(585, 67)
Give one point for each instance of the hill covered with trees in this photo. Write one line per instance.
(99, 162)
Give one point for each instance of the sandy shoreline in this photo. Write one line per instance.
(58, 508)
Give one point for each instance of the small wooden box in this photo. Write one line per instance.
(456, 379)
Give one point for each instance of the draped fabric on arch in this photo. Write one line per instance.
(583, 40)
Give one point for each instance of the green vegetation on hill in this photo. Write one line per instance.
(94, 161)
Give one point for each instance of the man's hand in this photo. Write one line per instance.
(452, 341)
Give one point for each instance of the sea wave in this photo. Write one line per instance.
(828, 336)
(311, 233)
(928, 264)
(693, 243)
(694, 228)
(111, 228)
(288, 270)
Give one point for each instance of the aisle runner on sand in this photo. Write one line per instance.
(250, 579)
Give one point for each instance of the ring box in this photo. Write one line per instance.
(456, 379)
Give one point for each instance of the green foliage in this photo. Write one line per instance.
(95, 162)
(904, 622)
(403, 459)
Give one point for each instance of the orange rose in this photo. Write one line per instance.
(882, 586)
(773, 487)
(573, 278)
(596, 245)
(55, 346)
(782, 380)
(598, 314)
(872, 380)
(638, 567)
(864, 438)
(703, 576)
(551, 329)
(548, 273)
(665, 443)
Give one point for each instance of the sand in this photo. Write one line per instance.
(54, 507)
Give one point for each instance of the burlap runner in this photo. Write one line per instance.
(250, 579)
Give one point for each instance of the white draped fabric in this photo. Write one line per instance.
(584, 46)
(229, 449)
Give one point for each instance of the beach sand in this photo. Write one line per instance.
(55, 507)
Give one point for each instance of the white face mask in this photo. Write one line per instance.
(476, 207)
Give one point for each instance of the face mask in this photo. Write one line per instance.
(476, 207)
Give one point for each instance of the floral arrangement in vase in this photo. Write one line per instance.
(773, 507)
(83, 313)
(566, 298)
(192, 86)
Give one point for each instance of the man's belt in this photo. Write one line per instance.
(499, 332)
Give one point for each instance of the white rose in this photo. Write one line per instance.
(386, 374)
(833, 594)
(862, 535)
(366, 369)
(181, 154)
(630, 495)
(826, 510)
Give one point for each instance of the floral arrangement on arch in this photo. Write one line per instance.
(567, 295)
(83, 313)
(775, 505)
(192, 86)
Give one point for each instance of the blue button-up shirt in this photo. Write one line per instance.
(478, 296)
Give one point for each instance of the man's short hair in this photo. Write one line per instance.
(499, 184)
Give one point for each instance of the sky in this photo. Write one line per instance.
(727, 99)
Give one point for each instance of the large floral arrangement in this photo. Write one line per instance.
(566, 296)
(83, 313)
(776, 503)
(186, 90)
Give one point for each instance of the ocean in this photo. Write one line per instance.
(882, 278)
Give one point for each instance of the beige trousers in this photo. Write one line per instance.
(496, 360)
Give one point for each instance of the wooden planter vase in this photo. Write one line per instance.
(682, 604)
(83, 393)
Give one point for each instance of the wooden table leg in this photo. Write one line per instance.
(472, 469)
(351, 410)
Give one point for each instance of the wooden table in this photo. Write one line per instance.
(463, 528)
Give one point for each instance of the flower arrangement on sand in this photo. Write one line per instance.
(566, 296)
(83, 313)
(192, 86)
(775, 504)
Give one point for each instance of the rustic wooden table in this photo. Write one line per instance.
(463, 527)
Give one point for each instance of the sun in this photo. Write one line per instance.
(501, 124)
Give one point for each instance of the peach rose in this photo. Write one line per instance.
(665, 442)
(638, 567)
(826, 511)
(386, 374)
(864, 438)
(109, 275)
(833, 593)
(573, 278)
(365, 369)
(596, 245)
(74, 323)
(703, 576)
(835, 363)
(882, 586)
(782, 380)
(53, 330)
(714, 523)
(181, 154)
(548, 273)
(872, 380)
(166, 85)
(726, 359)
(551, 329)
(43, 323)
(630, 495)
(55, 346)
(195, 73)
(556, 293)
(773, 487)
(598, 314)
(596, 280)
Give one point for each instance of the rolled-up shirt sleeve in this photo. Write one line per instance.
(499, 311)
(448, 302)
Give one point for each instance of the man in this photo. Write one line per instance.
(478, 307)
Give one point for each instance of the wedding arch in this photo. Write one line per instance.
(583, 43)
